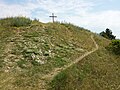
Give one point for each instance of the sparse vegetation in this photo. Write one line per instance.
(98, 71)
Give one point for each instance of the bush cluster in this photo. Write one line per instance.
(15, 21)
(114, 46)
(108, 34)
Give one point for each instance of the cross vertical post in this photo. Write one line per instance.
(53, 17)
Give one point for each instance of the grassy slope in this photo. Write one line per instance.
(23, 50)
(98, 71)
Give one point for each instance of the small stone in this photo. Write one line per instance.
(33, 56)
(6, 70)
(79, 49)
(41, 62)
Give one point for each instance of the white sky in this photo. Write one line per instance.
(95, 15)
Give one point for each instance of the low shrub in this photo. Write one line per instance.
(15, 21)
(114, 46)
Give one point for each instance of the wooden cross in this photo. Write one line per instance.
(53, 17)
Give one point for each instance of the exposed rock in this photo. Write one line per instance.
(79, 49)
(33, 56)
(40, 61)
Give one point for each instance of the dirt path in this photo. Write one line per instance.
(57, 70)
(42, 83)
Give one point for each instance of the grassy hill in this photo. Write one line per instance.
(29, 50)
(98, 71)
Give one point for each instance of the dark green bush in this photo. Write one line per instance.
(21, 21)
(114, 46)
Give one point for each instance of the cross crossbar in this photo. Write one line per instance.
(53, 17)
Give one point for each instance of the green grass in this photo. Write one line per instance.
(59, 82)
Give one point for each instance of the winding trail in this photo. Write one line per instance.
(57, 70)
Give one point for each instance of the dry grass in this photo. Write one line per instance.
(35, 50)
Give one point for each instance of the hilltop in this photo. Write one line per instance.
(30, 50)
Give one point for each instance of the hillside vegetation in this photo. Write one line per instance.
(98, 71)
(29, 50)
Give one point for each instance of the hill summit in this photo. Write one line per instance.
(31, 50)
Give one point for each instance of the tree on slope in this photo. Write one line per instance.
(108, 34)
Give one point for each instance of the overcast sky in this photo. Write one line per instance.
(96, 15)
